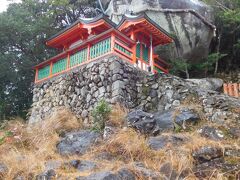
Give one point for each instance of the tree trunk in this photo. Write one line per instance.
(218, 51)
(187, 73)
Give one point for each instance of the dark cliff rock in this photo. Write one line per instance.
(189, 21)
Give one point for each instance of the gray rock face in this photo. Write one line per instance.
(78, 142)
(207, 153)
(48, 175)
(148, 123)
(52, 165)
(234, 132)
(133, 89)
(146, 173)
(210, 158)
(214, 84)
(188, 20)
(83, 165)
(211, 133)
(171, 174)
(160, 142)
(122, 174)
(3, 169)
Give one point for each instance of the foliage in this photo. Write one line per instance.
(227, 20)
(100, 115)
(24, 28)
(208, 63)
(179, 66)
(67, 12)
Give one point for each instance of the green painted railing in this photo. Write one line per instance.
(138, 50)
(124, 50)
(78, 57)
(59, 66)
(142, 52)
(145, 54)
(100, 48)
(43, 72)
(157, 69)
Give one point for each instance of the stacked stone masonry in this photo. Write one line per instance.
(118, 81)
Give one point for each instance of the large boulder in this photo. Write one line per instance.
(189, 20)
(155, 123)
(207, 153)
(213, 84)
(78, 142)
(164, 141)
(211, 133)
(209, 158)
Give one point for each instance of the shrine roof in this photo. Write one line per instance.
(85, 22)
(146, 23)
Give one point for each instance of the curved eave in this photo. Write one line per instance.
(143, 16)
(81, 23)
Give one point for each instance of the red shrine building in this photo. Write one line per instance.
(87, 40)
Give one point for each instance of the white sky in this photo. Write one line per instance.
(4, 4)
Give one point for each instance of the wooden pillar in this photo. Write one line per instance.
(36, 75)
(141, 55)
(235, 90)
(88, 52)
(112, 42)
(225, 88)
(134, 48)
(68, 61)
(230, 89)
(51, 67)
(151, 54)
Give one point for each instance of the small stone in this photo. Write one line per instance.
(118, 85)
(89, 97)
(176, 103)
(84, 91)
(155, 86)
(84, 114)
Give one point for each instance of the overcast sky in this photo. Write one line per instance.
(4, 4)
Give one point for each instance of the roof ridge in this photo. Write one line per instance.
(86, 21)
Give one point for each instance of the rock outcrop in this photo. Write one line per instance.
(213, 84)
(148, 123)
(189, 21)
(78, 142)
(117, 81)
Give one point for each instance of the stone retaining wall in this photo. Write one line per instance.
(116, 80)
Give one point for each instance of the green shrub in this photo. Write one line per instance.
(100, 115)
(2, 140)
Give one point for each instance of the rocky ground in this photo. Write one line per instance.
(174, 144)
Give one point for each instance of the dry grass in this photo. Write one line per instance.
(30, 147)
(117, 115)
(127, 146)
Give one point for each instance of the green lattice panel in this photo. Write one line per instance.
(43, 72)
(59, 66)
(138, 50)
(158, 70)
(145, 54)
(123, 49)
(100, 48)
(78, 58)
